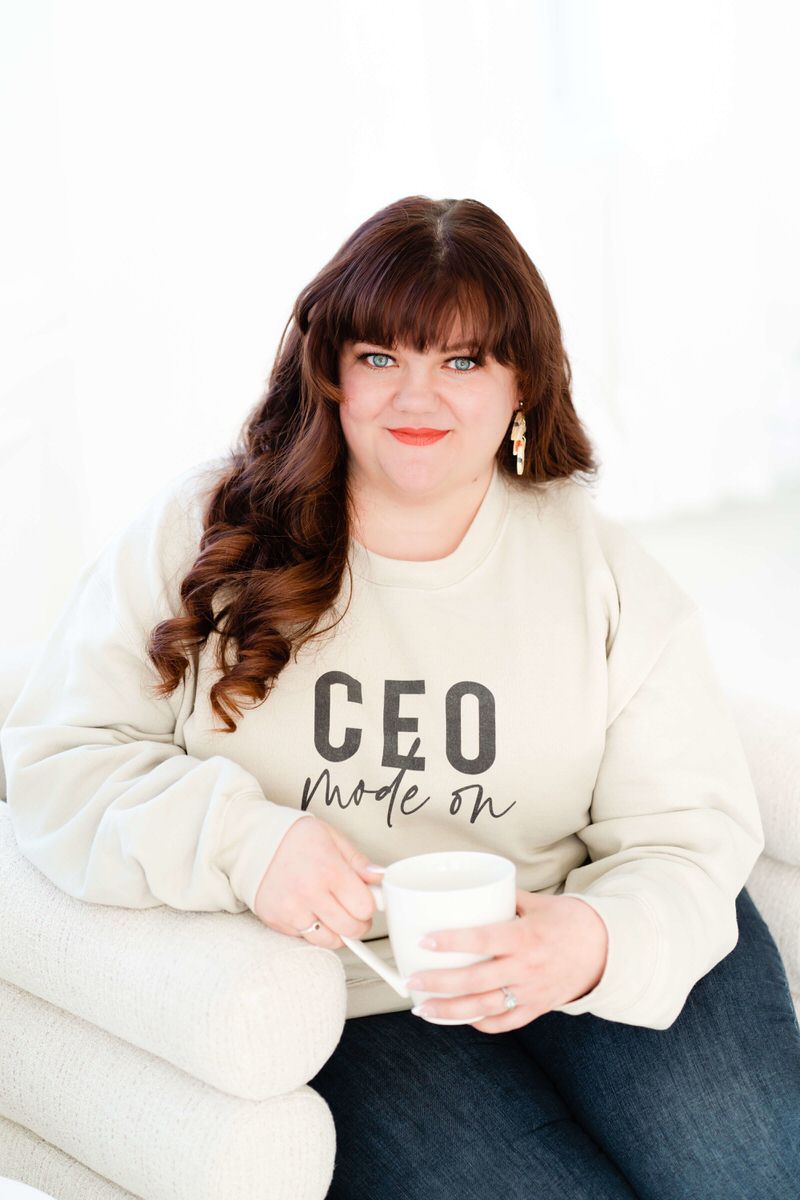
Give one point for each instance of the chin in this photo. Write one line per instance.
(418, 477)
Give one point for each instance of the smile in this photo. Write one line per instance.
(419, 437)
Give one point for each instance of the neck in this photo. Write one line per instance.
(419, 528)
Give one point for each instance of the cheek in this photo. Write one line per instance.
(483, 415)
(351, 399)
(359, 409)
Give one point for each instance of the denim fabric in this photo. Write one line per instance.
(579, 1108)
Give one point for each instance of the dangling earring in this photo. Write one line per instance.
(517, 436)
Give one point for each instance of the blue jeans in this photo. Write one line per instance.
(579, 1108)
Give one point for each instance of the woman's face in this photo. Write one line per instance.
(442, 390)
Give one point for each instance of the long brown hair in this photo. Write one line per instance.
(277, 523)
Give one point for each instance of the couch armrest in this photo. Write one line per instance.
(158, 1133)
(251, 1011)
(15, 665)
(770, 737)
(775, 888)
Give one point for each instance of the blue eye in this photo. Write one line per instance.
(380, 354)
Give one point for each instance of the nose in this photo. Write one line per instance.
(417, 393)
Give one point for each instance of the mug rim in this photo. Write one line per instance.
(386, 881)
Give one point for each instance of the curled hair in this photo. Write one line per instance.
(277, 524)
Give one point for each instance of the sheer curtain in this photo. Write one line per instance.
(176, 171)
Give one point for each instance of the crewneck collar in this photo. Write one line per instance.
(476, 543)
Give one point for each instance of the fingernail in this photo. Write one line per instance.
(374, 867)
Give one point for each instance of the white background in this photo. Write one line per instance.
(175, 172)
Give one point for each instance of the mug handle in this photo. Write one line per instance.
(392, 977)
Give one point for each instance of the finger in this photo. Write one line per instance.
(483, 1006)
(349, 889)
(474, 978)
(353, 895)
(505, 1022)
(323, 936)
(499, 938)
(479, 977)
(337, 917)
(354, 858)
(333, 917)
(304, 918)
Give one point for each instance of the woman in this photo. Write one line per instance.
(458, 652)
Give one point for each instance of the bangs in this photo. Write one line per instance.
(444, 316)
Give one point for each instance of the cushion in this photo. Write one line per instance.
(247, 1009)
(146, 1125)
(770, 736)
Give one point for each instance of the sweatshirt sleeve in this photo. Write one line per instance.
(102, 796)
(674, 826)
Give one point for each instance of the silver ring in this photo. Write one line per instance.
(315, 926)
(510, 1000)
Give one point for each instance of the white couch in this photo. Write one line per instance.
(166, 1055)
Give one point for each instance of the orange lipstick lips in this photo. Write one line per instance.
(419, 437)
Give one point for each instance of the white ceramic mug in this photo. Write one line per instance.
(449, 889)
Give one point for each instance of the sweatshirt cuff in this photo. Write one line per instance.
(252, 830)
(633, 948)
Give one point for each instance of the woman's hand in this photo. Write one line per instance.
(554, 953)
(316, 872)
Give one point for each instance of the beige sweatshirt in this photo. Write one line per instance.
(544, 692)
